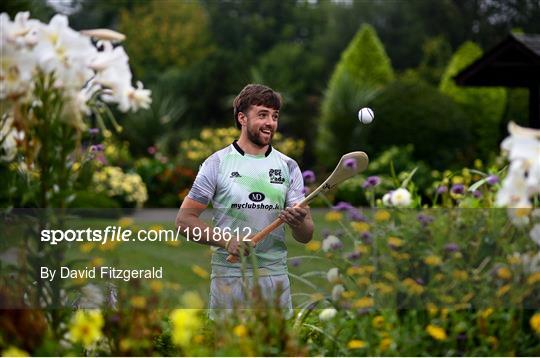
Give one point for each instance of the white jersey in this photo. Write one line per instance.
(247, 193)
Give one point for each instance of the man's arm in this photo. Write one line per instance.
(188, 218)
(300, 221)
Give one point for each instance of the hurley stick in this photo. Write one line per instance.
(349, 165)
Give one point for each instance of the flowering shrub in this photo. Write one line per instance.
(128, 188)
(211, 140)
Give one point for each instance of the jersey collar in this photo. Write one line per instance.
(241, 151)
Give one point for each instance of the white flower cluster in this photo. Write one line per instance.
(80, 69)
(9, 136)
(399, 198)
(523, 180)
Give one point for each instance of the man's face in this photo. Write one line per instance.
(261, 124)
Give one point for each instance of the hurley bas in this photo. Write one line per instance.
(103, 272)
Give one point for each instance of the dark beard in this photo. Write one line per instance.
(255, 138)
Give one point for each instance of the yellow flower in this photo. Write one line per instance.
(97, 261)
(125, 222)
(412, 286)
(240, 331)
(503, 290)
(460, 275)
(432, 309)
(385, 343)
(199, 271)
(86, 327)
(364, 302)
(457, 179)
(156, 227)
(433, 260)
(192, 300)
(362, 249)
(87, 247)
(156, 286)
(138, 302)
(382, 215)
(533, 278)
(383, 288)
(513, 259)
(478, 164)
(535, 322)
(378, 322)
(13, 351)
(504, 273)
(360, 227)
(348, 294)
(313, 246)
(108, 245)
(395, 242)
(356, 344)
(184, 324)
(363, 281)
(333, 216)
(436, 332)
(76, 166)
(486, 313)
(173, 243)
(493, 341)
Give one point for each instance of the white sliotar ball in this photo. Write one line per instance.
(366, 115)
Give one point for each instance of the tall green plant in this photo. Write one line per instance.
(484, 106)
(363, 70)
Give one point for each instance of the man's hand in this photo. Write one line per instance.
(294, 216)
(236, 246)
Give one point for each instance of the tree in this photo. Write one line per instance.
(484, 106)
(363, 70)
(163, 34)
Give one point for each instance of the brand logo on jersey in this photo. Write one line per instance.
(275, 176)
(235, 175)
(256, 197)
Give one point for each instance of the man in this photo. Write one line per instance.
(249, 184)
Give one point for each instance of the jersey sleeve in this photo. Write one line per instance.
(295, 194)
(204, 186)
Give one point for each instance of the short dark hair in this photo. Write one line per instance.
(255, 95)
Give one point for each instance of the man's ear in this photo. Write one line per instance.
(242, 119)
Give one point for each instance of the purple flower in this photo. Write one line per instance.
(306, 190)
(350, 163)
(366, 238)
(97, 148)
(458, 189)
(151, 150)
(451, 247)
(309, 176)
(295, 262)
(424, 219)
(371, 182)
(477, 194)
(353, 256)
(93, 131)
(442, 189)
(356, 215)
(420, 281)
(492, 179)
(343, 206)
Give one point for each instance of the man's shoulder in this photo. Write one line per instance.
(291, 163)
(218, 155)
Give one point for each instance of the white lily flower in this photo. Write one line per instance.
(8, 141)
(65, 52)
(327, 314)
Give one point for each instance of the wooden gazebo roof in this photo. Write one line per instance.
(514, 62)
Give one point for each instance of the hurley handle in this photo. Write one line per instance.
(262, 234)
